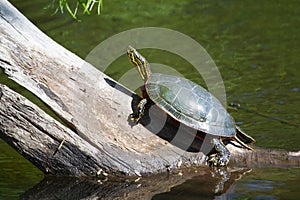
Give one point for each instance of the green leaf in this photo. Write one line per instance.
(87, 6)
(70, 11)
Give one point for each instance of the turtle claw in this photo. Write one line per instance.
(134, 118)
(215, 160)
(211, 160)
(223, 161)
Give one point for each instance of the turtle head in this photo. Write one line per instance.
(136, 58)
(139, 62)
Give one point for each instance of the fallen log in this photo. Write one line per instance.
(98, 137)
(81, 96)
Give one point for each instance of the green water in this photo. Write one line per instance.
(255, 45)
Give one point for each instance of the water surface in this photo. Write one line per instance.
(255, 45)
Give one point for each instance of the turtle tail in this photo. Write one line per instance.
(236, 138)
(243, 139)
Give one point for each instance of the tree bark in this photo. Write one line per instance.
(99, 137)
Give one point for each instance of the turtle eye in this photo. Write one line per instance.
(130, 55)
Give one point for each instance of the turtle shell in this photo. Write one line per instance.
(190, 104)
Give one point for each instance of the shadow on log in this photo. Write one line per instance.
(159, 123)
(99, 136)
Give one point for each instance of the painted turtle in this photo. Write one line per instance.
(191, 105)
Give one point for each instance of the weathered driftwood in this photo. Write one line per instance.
(99, 136)
(81, 96)
(37, 137)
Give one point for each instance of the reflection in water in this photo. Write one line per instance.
(262, 188)
(258, 184)
(140, 188)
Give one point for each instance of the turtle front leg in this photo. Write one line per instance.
(222, 155)
(136, 117)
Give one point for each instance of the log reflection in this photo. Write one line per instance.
(154, 186)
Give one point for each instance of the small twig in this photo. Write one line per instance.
(60, 145)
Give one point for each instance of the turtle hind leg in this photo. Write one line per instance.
(136, 117)
(222, 155)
